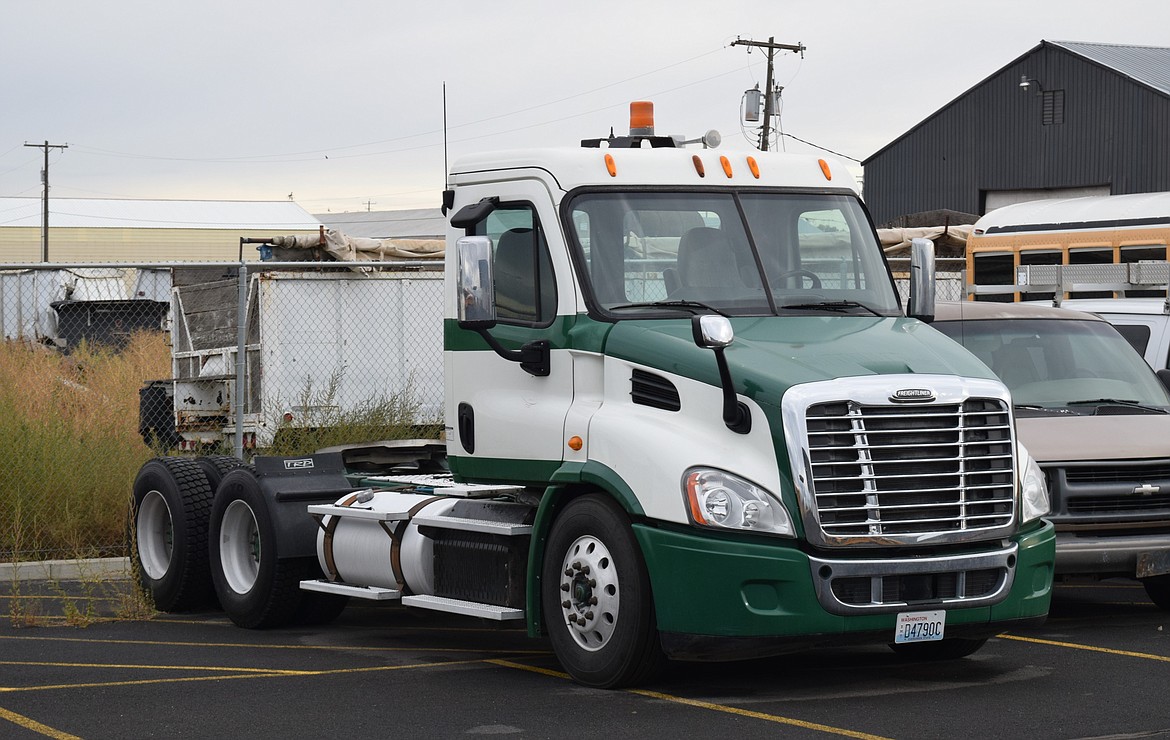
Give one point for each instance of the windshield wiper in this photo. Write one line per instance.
(1126, 402)
(1043, 409)
(692, 306)
(830, 306)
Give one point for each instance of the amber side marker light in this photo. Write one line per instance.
(825, 169)
(610, 165)
(576, 443)
(699, 166)
(726, 166)
(754, 166)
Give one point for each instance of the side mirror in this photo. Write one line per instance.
(477, 294)
(477, 305)
(921, 303)
(714, 332)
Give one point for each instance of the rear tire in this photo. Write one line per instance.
(596, 597)
(256, 587)
(215, 467)
(951, 648)
(172, 504)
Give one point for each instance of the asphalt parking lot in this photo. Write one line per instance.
(1098, 668)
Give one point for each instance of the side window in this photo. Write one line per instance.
(1136, 334)
(525, 286)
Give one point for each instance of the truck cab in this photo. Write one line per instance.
(715, 349)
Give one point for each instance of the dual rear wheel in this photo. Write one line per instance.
(203, 532)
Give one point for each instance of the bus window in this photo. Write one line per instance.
(1039, 257)
(994, 268)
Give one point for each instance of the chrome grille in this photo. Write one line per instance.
(925, 587)
(901, 472)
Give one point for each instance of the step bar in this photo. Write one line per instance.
(433, 603)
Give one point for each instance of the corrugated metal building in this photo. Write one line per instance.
(1065, 119)
(110, 230)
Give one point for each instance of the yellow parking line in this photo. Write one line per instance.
(139, 666)
(259, 673)
(710, 705)
(345, 648)
(32, 724)
(1089, 648)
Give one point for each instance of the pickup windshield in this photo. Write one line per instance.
(1082, 367)
(740, 253)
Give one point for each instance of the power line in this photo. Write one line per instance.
(253, 158)
(818, 146)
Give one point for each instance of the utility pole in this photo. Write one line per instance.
(770, 48)
(45, 196)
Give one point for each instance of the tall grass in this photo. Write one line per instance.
(387, 417)
(69, 444)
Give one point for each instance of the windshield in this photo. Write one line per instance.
(1078, 366)
(740, 253)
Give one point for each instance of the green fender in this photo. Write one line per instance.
(570, 480)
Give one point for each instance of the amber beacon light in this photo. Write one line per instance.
(641, 118)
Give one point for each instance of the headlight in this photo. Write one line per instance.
(1033, 490)
(724, 501)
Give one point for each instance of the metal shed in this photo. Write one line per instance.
(1064, 119)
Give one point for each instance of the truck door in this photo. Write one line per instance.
(507, 423)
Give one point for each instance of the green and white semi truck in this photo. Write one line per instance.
(686, 417)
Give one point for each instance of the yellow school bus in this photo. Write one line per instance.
(1095, 230)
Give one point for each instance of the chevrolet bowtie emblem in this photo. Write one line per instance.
(1146, 489)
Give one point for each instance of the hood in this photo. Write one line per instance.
(1073, 438)
(770, 354)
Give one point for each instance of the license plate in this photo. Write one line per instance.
(920, 626)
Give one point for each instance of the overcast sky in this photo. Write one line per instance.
(340, 103)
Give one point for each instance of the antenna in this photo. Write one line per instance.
(446, 182)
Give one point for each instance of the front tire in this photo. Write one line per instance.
(596, 598)
(256, 587)
(172, 503)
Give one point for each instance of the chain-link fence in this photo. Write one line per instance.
(103, 367)
(949, 280)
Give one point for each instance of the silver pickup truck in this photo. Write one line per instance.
(1097, 420)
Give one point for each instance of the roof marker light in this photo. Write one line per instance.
(825, 169)
(699, 166)
(754, 167)
(610, 165)
(726, 165)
